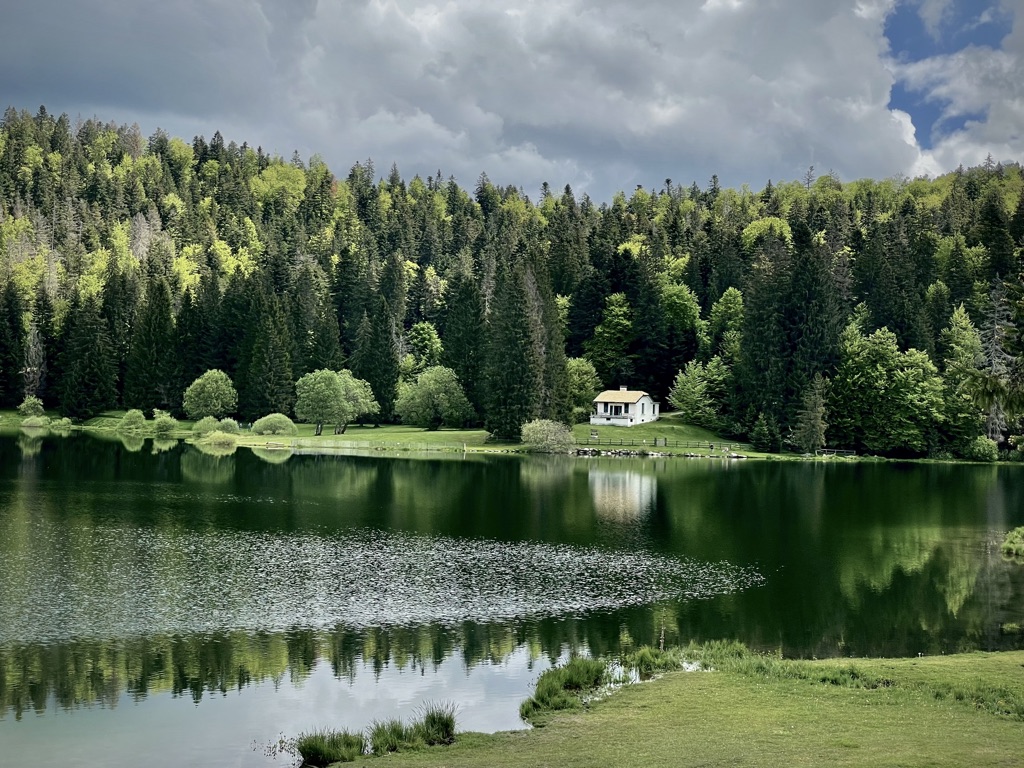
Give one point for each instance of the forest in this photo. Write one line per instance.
(883, 316)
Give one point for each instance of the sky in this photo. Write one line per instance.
(604, 95)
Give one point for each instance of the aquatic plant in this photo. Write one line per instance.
(387, 736)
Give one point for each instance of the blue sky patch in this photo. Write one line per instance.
(965, 23)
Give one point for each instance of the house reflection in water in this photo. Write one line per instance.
(622, 495)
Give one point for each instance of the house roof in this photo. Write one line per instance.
(620, 396)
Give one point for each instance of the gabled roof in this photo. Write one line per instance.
(620, 396)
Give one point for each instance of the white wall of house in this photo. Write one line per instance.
(623, 414)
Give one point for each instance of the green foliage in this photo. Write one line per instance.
(164, 426)
(546, 436)
(562, 687)
(690, 397)
(982, 449)
(388, 736)
(30, 406)
(584, 385)
(228, 426)
(809, 431)
(205, 426)
(1013, 544)
(212, 394)
(608, 350)
(434, 400)
(436, 725)
(324, 746)
(36, 422)
(133, 421)
(765, 436)
(274, 424)
(883, 400)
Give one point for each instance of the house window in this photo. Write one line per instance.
(643, 408)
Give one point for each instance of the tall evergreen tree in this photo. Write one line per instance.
(87, 383)
(150, 371)
(12, 346)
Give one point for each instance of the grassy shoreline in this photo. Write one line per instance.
(755, 710)
(395, 438)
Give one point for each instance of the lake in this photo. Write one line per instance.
(162, 606)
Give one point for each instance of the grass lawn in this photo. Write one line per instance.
(404, 438)
(745, 719)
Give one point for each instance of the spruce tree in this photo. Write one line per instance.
(511, 372)
(12, 346)
(87, 383)
(462, 340)
(150, 380)
(810, 426)
(266, 383)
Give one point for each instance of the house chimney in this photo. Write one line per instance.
(622, 389)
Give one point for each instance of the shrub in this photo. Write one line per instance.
(212, 394)
(274, 424)
(546, 436)
(30, 406)
(220, 439)
(982, 449)
(133, 421)
(62, 423)
(1013, 544)
(164, 425)
(205, 426)
(324, 746)
(35, 422)
(228, 427)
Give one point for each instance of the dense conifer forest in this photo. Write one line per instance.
(883, 316)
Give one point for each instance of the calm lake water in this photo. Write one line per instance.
(161, 606)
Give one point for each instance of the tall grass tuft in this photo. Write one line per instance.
(387, 736)
(325, 746)
(561, 687)
(437, 723)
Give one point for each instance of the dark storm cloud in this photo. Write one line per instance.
(602, 95)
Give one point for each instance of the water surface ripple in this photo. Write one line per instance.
(110, 581)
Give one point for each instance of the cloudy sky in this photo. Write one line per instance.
(601, 94)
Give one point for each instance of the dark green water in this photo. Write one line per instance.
(174, 607)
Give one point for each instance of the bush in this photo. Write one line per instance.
(220, 440)
(205, 426)
(31, 406)
(546, 436)
(212, 394)
(133, 421)
(1013, 544)
(982, 449)
(62, 423)
(324, 746)
(228, 427)
(274, 424)
(35, 422)
(164, 425)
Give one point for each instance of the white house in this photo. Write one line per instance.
(623, 408)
